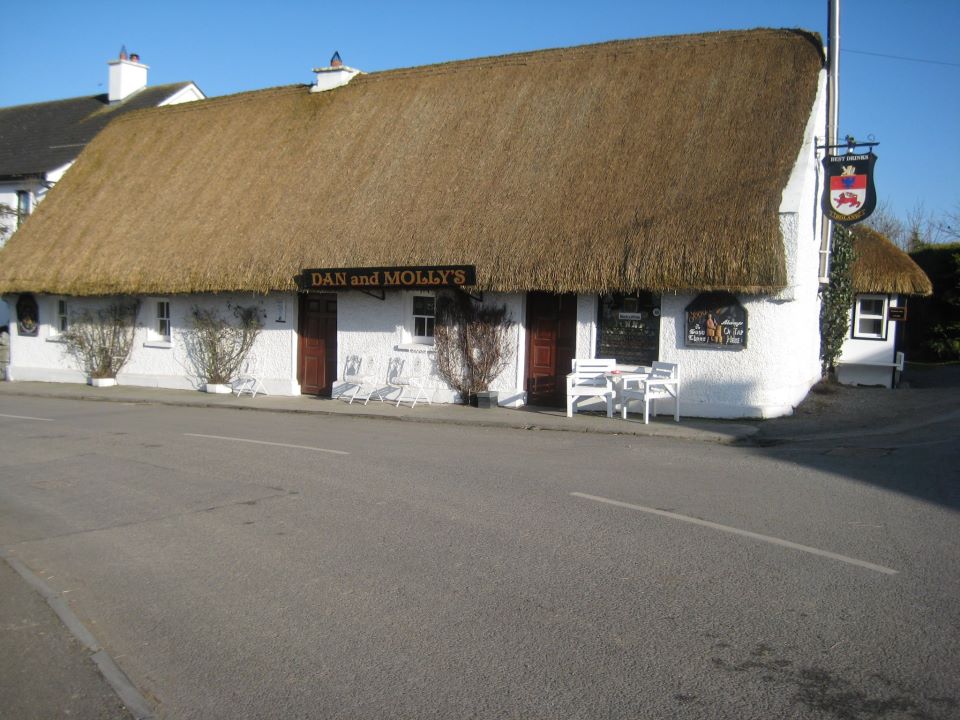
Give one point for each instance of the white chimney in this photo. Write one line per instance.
(126, 76)
(335, 75)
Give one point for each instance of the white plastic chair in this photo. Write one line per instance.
(363, 381)
(661, 383)
(589, 380)
(411, 387)
(249, 380)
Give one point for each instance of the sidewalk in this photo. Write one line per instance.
(718, 431)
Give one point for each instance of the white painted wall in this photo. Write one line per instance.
(377, 333)
(858, 350)
(154, 363)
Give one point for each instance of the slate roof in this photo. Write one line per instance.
(40, 137)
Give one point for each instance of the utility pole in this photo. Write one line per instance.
(833, 116)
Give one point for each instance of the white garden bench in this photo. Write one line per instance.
(589, 379)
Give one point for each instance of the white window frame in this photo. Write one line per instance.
(59, 318)
(155, 336)
(62, 316)
(429, 320)
(859, 315)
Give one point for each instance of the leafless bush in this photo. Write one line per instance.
(218, 347)
(471, 343)
(101, 341)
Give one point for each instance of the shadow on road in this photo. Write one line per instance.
(905, 440)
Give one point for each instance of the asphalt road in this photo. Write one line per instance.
(259, 565)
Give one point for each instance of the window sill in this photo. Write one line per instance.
(162, 344)
(415, 347)
(56, 339)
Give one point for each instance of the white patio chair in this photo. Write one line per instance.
(661, 383)
(411, 387)
(359, 374)
(250, 380)
(589, 379)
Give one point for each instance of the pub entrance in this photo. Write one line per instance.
(551, 344)
(317, 352)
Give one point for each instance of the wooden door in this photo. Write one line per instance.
(551, 343)
(317, 364)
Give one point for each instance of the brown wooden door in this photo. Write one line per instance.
(317, 364)
(551, 342)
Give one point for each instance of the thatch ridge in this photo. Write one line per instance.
(642, 164)
(882, 267)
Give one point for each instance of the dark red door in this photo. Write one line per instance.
(317, 366)
(551, 342)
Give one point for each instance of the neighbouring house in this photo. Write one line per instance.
(883, 276)
(40, 141)
(642, 199)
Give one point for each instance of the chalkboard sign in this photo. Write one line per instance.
(629, 328)
(716, 320)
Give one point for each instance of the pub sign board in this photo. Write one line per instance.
(716, 320)
(849, 194)
(28, 316)
(388, 278)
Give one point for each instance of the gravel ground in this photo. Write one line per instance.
(926, 392)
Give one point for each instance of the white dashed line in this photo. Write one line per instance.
(742, 533)
(264, 442)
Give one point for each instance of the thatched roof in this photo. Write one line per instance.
(644, 164)
(882, 267)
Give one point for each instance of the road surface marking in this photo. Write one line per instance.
(743, 533)
(26, 417)
(264, 442)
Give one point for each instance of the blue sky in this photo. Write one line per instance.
(59, 49)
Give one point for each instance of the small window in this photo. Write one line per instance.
(163, 319)
(424, 315)
(870, 317)
(23, 205)
(63, 322)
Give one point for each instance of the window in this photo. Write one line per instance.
(162, 326)
(424, 315)
(23, 205)
(62, 320)
(870, 317)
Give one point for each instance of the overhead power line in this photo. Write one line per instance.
(901, 57)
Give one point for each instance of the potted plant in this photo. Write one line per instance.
(218, 348)
(101, 341)
(472, 346)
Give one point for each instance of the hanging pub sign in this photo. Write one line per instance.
(716, 320)
(28, 317)
(388, 278)
(848, 193)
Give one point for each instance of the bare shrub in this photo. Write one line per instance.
(218, 347)
(471, 343)
(101, 341)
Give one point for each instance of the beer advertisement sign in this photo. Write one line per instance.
(849, 195)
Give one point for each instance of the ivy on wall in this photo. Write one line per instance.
(837, 299)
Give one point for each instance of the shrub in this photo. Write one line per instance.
(218, 347)
(837, 300)
(471, 343)
(101, 342)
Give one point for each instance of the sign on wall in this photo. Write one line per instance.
(388, 278)
(28, 317)
(849, 195)
(716, 320)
